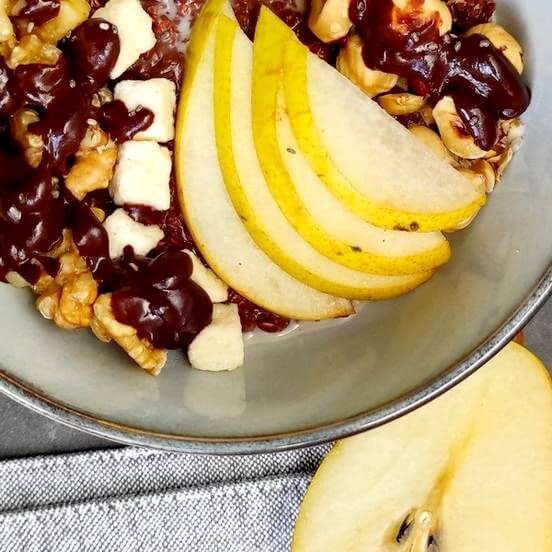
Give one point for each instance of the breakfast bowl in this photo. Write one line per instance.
(313, 382)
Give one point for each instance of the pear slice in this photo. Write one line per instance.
(471, 471)
(268, 59)
(385, 251)
(369, 161)
(216, 227)
(251, 195)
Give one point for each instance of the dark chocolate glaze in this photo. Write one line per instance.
(479, 78)
(122, 124)
(155, 296)
(92, 51)
(33, 210)
(39, 11)
(469, 13)
(162, 302)
(37, 85)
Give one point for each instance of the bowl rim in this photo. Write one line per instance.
(39, 402)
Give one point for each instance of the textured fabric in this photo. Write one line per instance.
(132, 499)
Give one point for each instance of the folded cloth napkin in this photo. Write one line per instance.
(135, 499)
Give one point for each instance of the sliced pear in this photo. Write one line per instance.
(385, 251)
(208, 211)
(368, 160)
(268, 62)
(251, 195)
(470, 471)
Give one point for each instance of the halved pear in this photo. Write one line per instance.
(248, 189)
(471, 471)
(216, 227)
(283, 180)
(384, 251)
(369, 161)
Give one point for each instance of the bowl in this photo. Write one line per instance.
(321, 381)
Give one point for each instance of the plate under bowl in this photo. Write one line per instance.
(323, 381)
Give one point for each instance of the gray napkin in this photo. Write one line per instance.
(132, 499)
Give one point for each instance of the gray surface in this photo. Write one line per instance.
(23, 433)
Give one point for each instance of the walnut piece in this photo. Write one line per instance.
(31, 49)
(71, 14)
(67, 299)
(140, 350)
(6, 27)
(95, 160)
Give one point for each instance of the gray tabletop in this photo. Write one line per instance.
(24, 433)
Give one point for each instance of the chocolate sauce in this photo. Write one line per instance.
(469, 13)
(92, 51)
(37, 85)
(33, 212)
(162, 302)
(477, 75)
(39, 11)
(122, 124)
(7, 101)
(155, 296)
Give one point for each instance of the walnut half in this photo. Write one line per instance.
(140, 350)
(95, 160)
(67, 299)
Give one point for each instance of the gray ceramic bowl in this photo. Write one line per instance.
(326, 380)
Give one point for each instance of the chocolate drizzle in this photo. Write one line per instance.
(122, 124)
(483, 83)
(39, 11)
(32, 208)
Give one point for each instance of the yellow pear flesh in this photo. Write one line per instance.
(384, 251)
(284, 179)
(368, 160)
(249, 191)
(210, 215)
(471, 471)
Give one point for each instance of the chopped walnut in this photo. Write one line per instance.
(77, 297)
(32, 144)
(93, 169)
(98, 213)
(67, 299)
(32, 49)
(45, 284)
(103, 96)
(64, 246)
(140, 350)
(71, 14)
(6, 27)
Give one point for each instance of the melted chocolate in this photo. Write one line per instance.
(7, 100)
(155, 296)
(40, 11)
(162, 302)
(122, 124)
(92, 51)
(468, 13)
(37, 85)
(477, 75)
(32, 208)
